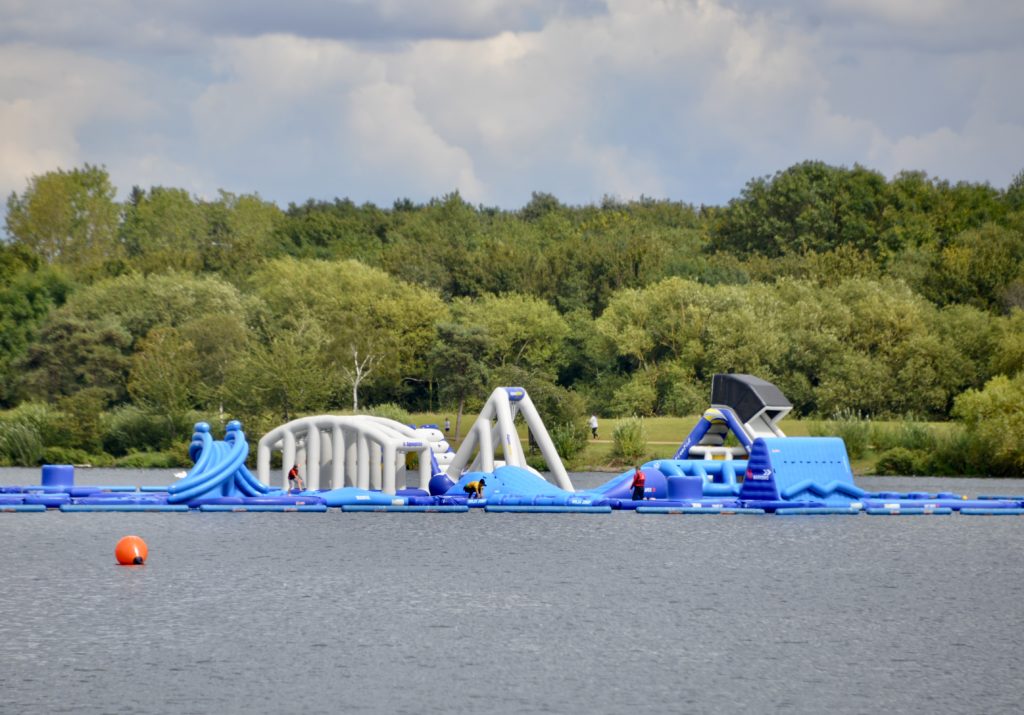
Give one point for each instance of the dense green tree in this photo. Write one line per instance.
(163, 230)
(288, 375)
(359, 308)
(457, 365)
(809, 207)
(26, 299)
(141, 303)
(73, 354)
(241, 235)
(335, 230)
(1014, 196)
(69, 218)
(1007, 352)
(977, 267)
(853, 293)
(1002, 397)
(165, 375)
(521, 331)
(540, 205)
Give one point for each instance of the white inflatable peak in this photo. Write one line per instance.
(495, 427)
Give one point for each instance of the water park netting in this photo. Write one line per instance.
(736, 460)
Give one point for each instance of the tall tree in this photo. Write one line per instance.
(163, 230)
(165, 375)
(69, 218)
(456, 359)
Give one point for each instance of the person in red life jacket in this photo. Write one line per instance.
(294, 478)
(639, 480)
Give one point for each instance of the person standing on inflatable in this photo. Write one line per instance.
(639, 480)
(294, 478)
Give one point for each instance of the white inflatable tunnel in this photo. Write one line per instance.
(358, 451)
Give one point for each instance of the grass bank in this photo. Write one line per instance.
(868, 441)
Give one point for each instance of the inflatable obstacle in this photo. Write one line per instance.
(743, 406)
(800, 469)
(765, 472)
(359, 451)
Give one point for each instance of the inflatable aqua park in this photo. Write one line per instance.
(736, 460)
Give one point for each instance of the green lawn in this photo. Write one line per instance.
(664, 435)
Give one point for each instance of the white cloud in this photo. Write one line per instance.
(389, 138)
(388, 99)
(49, 98)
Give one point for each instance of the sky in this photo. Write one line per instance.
(377, 100)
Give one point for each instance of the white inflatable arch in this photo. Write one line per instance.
(358, 451)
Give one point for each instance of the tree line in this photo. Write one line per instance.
(856, 294)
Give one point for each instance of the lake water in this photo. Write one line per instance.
(513, 613)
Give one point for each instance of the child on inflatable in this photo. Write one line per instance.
(639, 481)
(475, 490)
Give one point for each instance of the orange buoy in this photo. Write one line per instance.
(131, 551)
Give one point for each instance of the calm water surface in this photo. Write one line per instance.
(512, 613)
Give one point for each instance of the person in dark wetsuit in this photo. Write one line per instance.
(639, 480)
(294, 478)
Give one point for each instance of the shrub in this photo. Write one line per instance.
(629, 440)
(74, 455)
(166, 459)
(959, 453)
(129, 428)
(994, 417)
(391, 411)
(908, 434)
(900, 461)
(679, 393)
(537, 462)
(20, 444)
(569, 438)
(682, 399)
(81, 417)
(854, 430)
(636, 397)
(43, 418)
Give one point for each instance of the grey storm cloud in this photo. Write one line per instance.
(378, 100)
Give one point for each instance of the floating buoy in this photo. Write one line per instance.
(131, 551)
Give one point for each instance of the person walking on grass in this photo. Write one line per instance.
(593, 426)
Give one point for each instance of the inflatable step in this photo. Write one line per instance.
(546, 509)
(696, 510)
(11, 508)
(305, 508)
(908, 511)
(992, 512)
(771, 505)
(123, 499)
(113, 506)
(50, 501)
(812, 510)
(412, 508)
